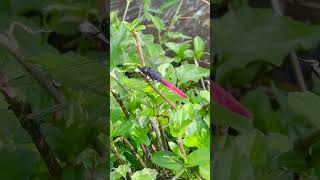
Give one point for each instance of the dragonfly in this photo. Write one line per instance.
(156, 76)
(229, 102)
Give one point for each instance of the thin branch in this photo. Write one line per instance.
(139, 47)
(126, 10)
(34, 72)
(161, 94)
(156, 129)
(22, 110)
(118, 157)
(125, 140)
(124, 109)
(202, 82)
(180, 144)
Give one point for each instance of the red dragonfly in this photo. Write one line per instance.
(228, 101)
(155, 75)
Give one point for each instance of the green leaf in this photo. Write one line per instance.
(157, 22)
(204, 170)
(178, 48)
(180, 119)
(189, 72)
(123, 170)
(16, 163)
(166, 159)
(293, 160)
(136, 22)
(306, 104)
(198, 47)
(177, 35)
(197, 135)
(122, 129)
(198, 157)
(145, 174)
(260, 35)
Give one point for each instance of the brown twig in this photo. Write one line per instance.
(139, 47)
(161, 94)
(119, 101)
(22, 110)
(157, 131)
(118, 157)
(142, 163)
(35, 73)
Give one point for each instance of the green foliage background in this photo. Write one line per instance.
(249, 41)
(82, 75)
(162, 47)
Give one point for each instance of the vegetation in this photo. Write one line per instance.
(52, 81)
(253, 49)
(154, 133)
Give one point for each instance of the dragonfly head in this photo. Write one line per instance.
(145, 70)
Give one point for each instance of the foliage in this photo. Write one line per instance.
(249, 43)
(80, 74)
(170, 143)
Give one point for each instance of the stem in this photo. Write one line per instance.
(125, 140)
(297, 71)
(173, 21)
(139, 48)
(163, 134)
(180, 144)
(119, 101)
(125, 12)
(35, 73)
(157, 131)
(21, 111)
(202, 82)
(118, 157)
(161, 94)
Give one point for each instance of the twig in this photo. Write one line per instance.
(124, 109)
(156, 129)
(139, 47)
(180, 144)
(142, 163)
(161, 94)
(126, 10)
(197, 65)
(115, 152)
(163, 134)
(35, 73)
(21, 111)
